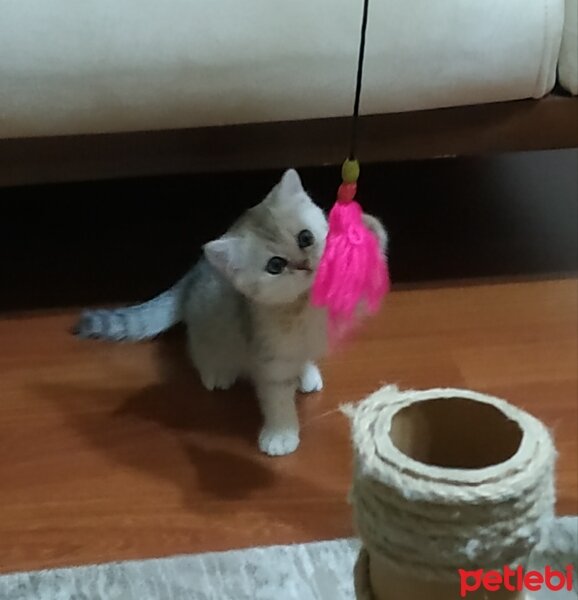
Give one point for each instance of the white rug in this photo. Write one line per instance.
(302, 572)
(319, 571)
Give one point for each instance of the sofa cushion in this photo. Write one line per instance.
(97, 66)
(568, 66)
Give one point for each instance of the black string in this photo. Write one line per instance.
(354, 125)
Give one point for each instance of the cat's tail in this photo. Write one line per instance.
(135, 323)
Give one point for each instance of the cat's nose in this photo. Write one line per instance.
(302, 266)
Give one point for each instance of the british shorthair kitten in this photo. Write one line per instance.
(246, 308)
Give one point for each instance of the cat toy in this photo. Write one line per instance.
(353, 270)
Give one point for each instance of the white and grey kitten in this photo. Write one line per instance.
(246, 307)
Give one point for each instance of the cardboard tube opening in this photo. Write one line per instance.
(455, 433)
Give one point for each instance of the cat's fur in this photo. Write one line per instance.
(243, 321)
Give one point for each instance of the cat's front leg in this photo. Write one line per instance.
(310, 379)
(280, 432)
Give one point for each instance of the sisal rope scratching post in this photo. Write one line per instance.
(446, 479)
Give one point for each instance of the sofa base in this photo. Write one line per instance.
(524, 125)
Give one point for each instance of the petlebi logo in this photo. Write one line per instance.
(516, 580)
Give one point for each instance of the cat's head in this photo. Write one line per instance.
(271, 253)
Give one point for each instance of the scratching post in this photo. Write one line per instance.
(446, 480)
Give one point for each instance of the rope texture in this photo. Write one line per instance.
(430, 521)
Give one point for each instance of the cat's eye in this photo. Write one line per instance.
(276, 265)
(305, 239)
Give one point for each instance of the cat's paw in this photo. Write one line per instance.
(218, 380)
(278, 442)
(310, 380)
(376, 226)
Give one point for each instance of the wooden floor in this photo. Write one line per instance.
(115, 452)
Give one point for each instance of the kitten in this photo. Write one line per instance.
(246, 307)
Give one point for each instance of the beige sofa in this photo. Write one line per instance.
(126, 66)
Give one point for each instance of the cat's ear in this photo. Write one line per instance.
(224, 254)
(290, 184)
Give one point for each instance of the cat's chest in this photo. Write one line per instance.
(299, 334)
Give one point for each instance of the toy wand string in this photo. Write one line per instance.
(353, 270)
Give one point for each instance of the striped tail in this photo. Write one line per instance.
(134, 323)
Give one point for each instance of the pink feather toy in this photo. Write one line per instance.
(353, 272)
